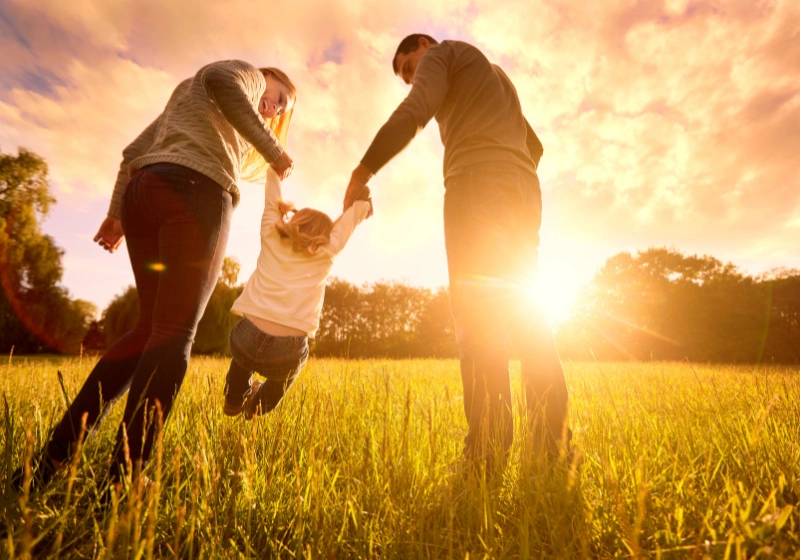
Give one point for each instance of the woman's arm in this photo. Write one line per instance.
(135, 149)
(227, 84)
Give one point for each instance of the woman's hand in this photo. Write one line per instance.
(283, 166)
(110, 234)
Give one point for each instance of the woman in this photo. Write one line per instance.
(173, 199)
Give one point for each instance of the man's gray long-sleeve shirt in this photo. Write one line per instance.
(476, 106)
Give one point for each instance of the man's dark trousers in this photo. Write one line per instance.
(492, 216)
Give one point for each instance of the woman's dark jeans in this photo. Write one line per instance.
(176, 222)
(278, 358)
(491, 221)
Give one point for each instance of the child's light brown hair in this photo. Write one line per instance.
(307, 229)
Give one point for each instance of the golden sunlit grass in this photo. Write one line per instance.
(361, 460)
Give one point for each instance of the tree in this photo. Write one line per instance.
(385, 319)
(781, 342)
(217, 321)
(662, 304)
(435, 334)
(95, 339)
(338, 324)
(230, 272)
(121, 315)
(36, 313)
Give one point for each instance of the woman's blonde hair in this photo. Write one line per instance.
(307, 229)
(254, 166)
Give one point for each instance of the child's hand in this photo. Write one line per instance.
(366, 196)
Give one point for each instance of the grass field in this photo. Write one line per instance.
(362, 460)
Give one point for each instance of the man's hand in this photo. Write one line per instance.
(357, 187)
(110, 234)
(366, 196)
(283, 166)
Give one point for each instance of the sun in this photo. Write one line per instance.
(555, 290)
(565, 265)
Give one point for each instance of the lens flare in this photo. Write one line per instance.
(157, 267)
(556, 295)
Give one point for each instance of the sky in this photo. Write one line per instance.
(664, 123)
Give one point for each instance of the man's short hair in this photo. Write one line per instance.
(410, 44)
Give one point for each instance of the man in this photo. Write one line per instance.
(492, 214)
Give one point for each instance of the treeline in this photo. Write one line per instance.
(664, 305)
(658, 304)
(122, 314)
(390, 319)
(37, 313)
(384, 319)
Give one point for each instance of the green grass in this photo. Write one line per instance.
(362, 460)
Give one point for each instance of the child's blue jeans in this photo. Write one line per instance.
(278, 358)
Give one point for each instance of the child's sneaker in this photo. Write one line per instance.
(232, 406)
(233, 403)
(252, 405)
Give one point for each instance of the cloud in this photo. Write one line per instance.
(681, 117)
(82, 126)
(664, 122)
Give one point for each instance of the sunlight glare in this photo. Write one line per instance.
(555, 291)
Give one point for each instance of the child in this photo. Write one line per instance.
(282, 300)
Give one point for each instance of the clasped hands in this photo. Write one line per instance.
(357, 189)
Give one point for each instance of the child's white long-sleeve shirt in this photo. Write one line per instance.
(287, 287)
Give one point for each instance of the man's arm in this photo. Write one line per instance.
(535, 148)
(392, 138)
(428, 91)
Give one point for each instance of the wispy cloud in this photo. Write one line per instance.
(664, 122)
